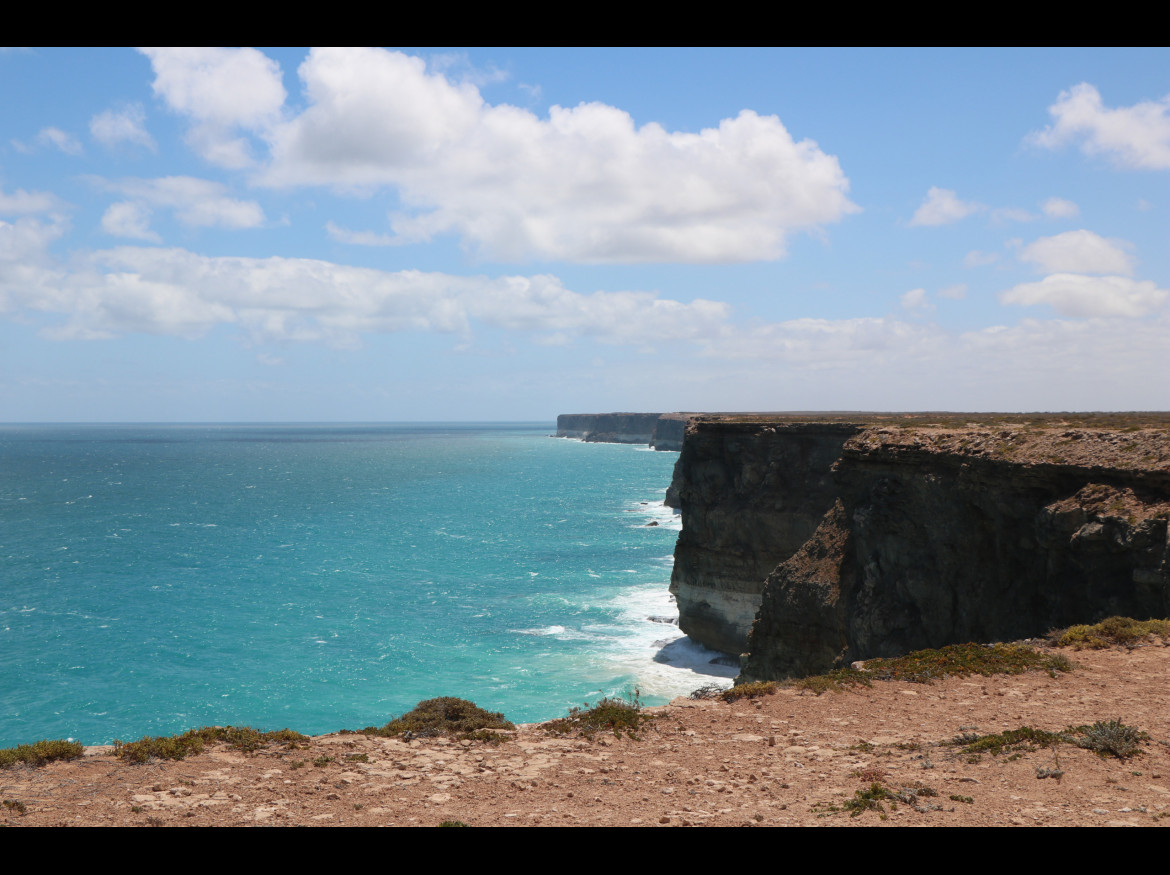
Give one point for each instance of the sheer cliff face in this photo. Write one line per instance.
(969, 536)
(661, 431)
(609, 428)
(750, 494)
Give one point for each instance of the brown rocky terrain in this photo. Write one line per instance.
(792, 758)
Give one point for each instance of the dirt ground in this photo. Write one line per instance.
(787, 759)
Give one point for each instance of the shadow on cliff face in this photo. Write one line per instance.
(926, 548)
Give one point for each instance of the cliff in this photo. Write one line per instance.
(750, 494)
(847, 540)
(610, 428)
(660, 431)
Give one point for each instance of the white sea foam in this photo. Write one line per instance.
(661, 660)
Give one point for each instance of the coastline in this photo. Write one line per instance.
(790, 759)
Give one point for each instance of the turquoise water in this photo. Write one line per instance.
(157, 578)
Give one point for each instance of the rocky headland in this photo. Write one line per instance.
(808, 544)
(854, 536)
(810, 541)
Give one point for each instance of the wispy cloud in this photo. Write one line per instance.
(194, 202)
(943, 207)
(127, 125)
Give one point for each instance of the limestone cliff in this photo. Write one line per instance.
(660, 431)
(751, 493)
(863, 535)
(670, 430)
(610, 428)
(945, 536)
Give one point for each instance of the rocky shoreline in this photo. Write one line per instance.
(849, 518)
(813, 540)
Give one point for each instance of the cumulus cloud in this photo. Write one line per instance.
(1059, 208)
(1082, 296)
(916, 299)
(1136, 137)
(195, 202)
(956, 292)
(22, 202)
(943, 207)
(861, 363)
(125, 125)
(129, 219)
(176, 292)
(225, 92)
(584, 183)
(1079, 252)
(60, 139)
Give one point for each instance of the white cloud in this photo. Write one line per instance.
(956, 292)
(223, 92)
(126, 125)
(863, 363)
(1059, 208)
(584, 184)
(195, 202)
(1136, 136)
(1079, 252)
(60, 139)
(176, 292)
(1089, 296)
(359, 238)
(1012, 214)
(22, 202)
(942, 206)
(916, 299)
(975, 258)
(129, 219)
(26, 266)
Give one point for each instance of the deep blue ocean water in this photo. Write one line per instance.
(159, 578)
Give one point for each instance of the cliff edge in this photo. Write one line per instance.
(810, 544)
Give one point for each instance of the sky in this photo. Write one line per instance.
(436, 234)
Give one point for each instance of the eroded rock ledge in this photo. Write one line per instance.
(810, 544)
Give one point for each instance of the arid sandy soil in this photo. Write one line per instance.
(785, 759)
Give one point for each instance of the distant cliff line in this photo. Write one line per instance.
(812, 540)
(660, 431)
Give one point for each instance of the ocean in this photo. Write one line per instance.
(157, 578)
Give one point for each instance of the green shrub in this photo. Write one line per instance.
(1108, 738)
(178, 747)
(924, 666)
(445, 716)
(1111, 738)
(1123, 631)
(1009, 741)
(610, 714)
(40, 752)
(749, 691)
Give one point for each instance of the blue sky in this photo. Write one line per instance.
(508, 234)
